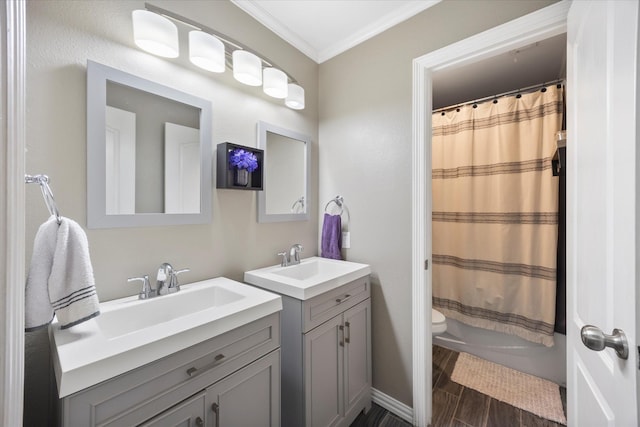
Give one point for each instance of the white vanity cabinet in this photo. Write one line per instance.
(326, 356)
(230, 380)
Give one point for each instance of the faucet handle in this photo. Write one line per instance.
(174, 281)
(294, 255)
(146, 291)
(285, 260)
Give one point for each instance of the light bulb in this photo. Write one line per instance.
(206, 51)
(275, 83)
(155, 34)
(247, 68)
(295, 98)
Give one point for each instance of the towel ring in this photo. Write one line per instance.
(300, 202)
(339, 201)
(47, 194)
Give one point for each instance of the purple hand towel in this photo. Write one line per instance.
(331, 237)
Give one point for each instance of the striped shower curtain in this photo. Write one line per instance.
(495, 214)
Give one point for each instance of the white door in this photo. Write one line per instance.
(601, 209)
(120, 172)
(181, 169)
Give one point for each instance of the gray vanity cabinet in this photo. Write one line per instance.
(247, 398)
(250, 397)
(230, 380)
(326, 357)
(357, 358)
(186, 414)
(323, 379)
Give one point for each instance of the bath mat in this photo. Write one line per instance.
(524, 391)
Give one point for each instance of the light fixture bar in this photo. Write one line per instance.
(230, 44)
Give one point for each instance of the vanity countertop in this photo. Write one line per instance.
(312, 277)
(130, 333)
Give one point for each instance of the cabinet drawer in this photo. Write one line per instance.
(321, 308)
(136, 396)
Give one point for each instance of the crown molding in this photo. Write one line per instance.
(284, 32)
(319, 56)
(384, 23)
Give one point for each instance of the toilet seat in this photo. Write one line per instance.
(438, 322)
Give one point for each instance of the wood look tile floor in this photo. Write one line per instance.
(458, 406)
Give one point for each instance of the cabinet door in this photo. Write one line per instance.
(190, 413)
(248, 398)
(323, 364)
(357, 356)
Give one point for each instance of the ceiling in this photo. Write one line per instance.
(322, 29)
(541, 62)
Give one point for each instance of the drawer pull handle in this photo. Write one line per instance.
(341, 300)
(199, 422)
(216, 410)
(192, 370)
(347, 334)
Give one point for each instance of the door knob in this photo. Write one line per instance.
(595, 339)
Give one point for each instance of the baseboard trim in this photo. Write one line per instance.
(392, 405)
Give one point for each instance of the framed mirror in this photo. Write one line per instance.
(148, 152)
(286, 174)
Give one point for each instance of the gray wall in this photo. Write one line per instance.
(61, 36)
(365, 156)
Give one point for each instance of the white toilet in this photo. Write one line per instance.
(438, 322)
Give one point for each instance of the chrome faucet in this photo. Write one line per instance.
(291, 258)
(294, 254)
(167, 279)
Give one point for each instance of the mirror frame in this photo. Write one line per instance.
(97, 77)
(263, 129)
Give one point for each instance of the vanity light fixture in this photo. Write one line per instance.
(206, 51)
(295, 98)
(247, 68)
(155, 33)
(275, 83)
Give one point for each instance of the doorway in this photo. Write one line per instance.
(540, 25)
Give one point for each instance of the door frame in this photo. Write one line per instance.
(12, 203)
(539, 25)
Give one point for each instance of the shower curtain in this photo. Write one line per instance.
(495, 214)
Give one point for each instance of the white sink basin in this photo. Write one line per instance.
(313, 276)
(135, 316)
(130, 332)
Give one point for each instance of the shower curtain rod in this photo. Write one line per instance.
(527, 89)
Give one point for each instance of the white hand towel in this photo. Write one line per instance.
(60, 277)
